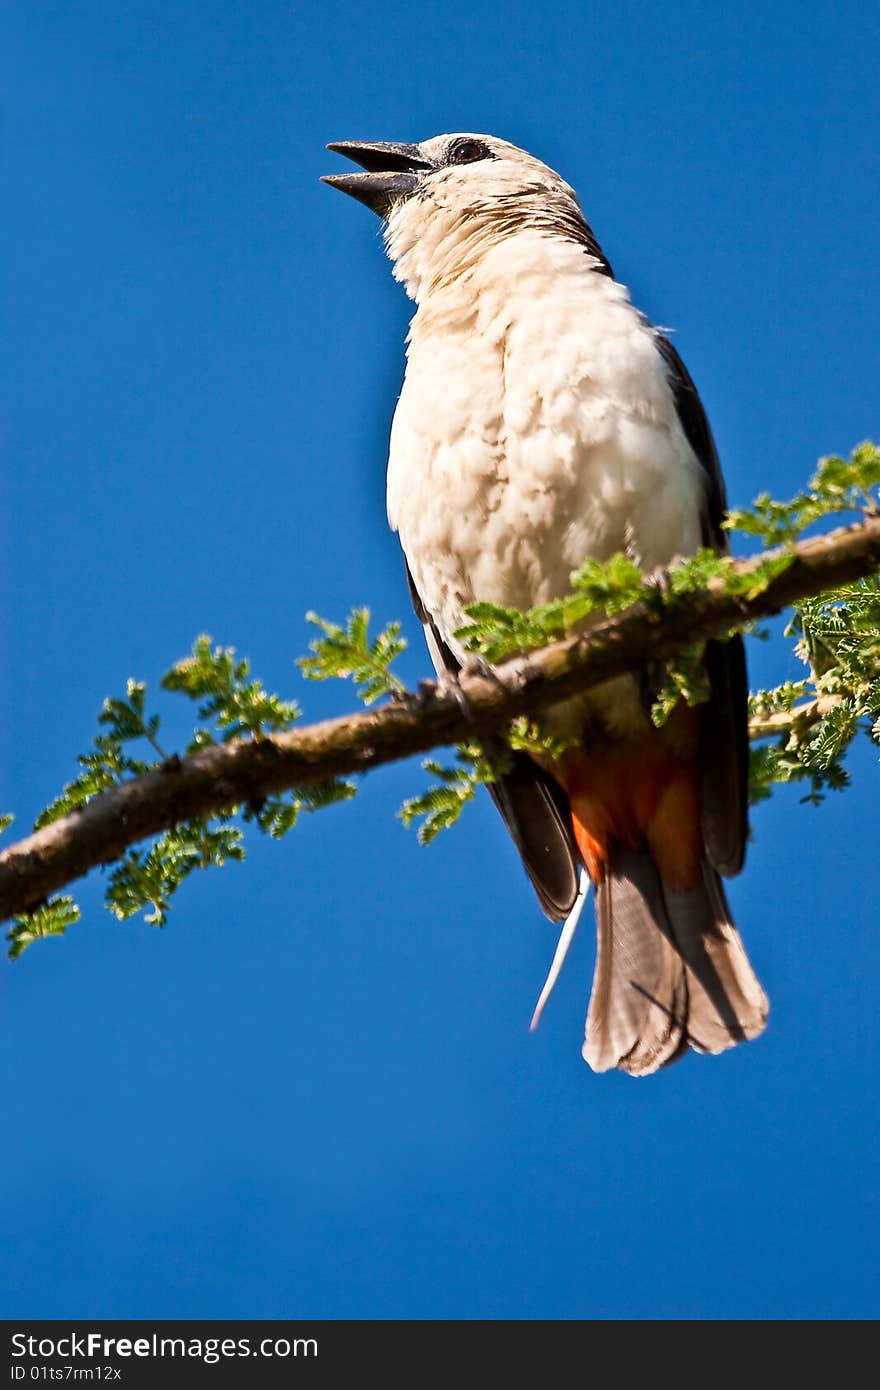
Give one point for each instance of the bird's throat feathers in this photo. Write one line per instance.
(435, 244)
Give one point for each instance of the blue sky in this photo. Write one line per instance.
(314, 1093)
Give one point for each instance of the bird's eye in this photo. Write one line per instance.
(467, 152)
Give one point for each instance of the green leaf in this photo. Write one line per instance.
(526, 735)
(346, 653)
(321, 794)
(149, 879)
(838, 637)
(238, 706)
(611, 587)
(442, 804)
(685, 679)
(107, 764)
(279, 814)
(496, 632)
(51, 919)
(838, 486)
(757, 580)
(781, 699)
(276, 815)
(98, 776)
(693, 572)
(127, 719)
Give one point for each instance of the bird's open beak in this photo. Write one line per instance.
(393, 172)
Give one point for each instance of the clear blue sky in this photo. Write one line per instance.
(315, 1093)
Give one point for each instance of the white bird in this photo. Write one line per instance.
(544, 421)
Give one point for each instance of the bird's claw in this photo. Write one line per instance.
(449, 684)
(659, 580)
(476, 665)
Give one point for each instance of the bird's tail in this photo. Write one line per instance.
(671, 971)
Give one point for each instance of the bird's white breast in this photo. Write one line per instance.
(536, 428)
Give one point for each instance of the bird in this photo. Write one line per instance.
(543, 421)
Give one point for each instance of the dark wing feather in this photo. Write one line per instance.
(445, 661)
(724, 732)
(535, 810)
(724, 756)
(699, 436)
(532, 804)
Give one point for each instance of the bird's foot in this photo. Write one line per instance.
(476, 665)
(659, 584)
(659, 578)
(449, 684)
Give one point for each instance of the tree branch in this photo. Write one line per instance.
(243, 771)
(794, 721)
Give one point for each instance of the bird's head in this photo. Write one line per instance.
(448, 200)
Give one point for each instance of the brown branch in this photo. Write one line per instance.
(797, 721)
(801, 717)
(244, 771)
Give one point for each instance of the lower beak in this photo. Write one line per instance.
(393, 172)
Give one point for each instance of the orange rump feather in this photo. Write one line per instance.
(643, 793)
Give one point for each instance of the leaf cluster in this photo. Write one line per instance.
(802, 729)
(51, 918)
(109, 760)
(442, 804)
(838, 485)
(231, 705)
(495, 632)
(236, 705)
(347, 653)
(146, 880)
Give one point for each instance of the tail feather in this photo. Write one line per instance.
(670, 971)
(638, 1003)
(726, 1004)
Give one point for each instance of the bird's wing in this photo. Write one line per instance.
(532, 804)
(698, 434)
(724, 756)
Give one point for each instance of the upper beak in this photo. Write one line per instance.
(393, 171)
